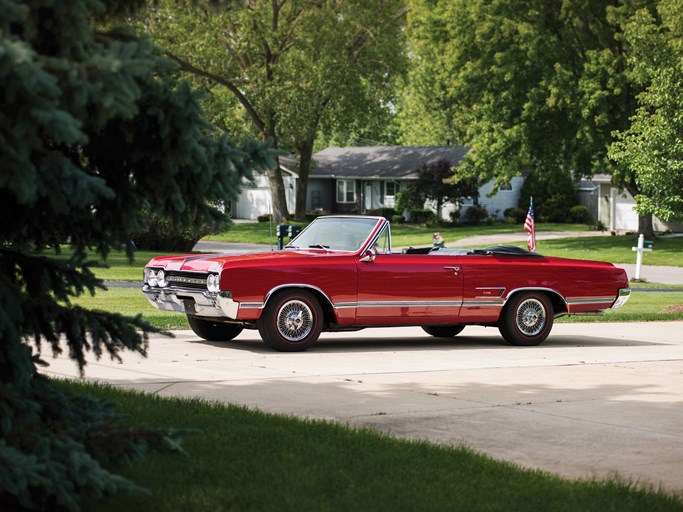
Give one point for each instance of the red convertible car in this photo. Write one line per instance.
(340, 274)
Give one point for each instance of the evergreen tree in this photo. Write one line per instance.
(94, 129)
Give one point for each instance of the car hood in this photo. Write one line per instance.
(215, 262)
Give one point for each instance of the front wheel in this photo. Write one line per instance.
(213, 331)
(527, 319)
(291, 321)
(443, 331)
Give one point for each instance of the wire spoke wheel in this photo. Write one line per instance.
(291, 321)
(530, 317)
(527, 319)
(294, 320)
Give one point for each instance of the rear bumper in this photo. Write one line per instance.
(192, 302)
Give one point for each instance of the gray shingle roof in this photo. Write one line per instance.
(384, 162)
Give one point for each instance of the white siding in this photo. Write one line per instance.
(498, 203)
(255, 199)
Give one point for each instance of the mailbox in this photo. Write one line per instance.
(293, 230)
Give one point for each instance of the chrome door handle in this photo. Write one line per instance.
(454, 269)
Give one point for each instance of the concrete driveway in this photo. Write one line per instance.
(594, 400)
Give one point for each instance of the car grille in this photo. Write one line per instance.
(187, 280)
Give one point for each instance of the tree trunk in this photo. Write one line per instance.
(645, 226)
(278, 197)
(305, 160)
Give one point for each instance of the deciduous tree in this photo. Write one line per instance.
(651, 150)
(529, 85)
(435, 183)
(296, 67)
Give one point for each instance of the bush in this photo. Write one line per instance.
(554, 193)
(265, 218)
(516, 215)
(162, 234)
(397, 219)
(385, 212)
(422, 216)
(408, 200)
(476, 214)
(579, 214)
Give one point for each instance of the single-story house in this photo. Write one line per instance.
(614, 207)
(358, 179)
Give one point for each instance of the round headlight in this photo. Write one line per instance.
(152, 278)
(161, 279)
(213, 283)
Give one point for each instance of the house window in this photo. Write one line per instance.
(391, 188)
(346, 191)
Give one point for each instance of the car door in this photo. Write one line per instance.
(407, 288)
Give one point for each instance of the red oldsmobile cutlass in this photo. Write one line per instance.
(340, 274)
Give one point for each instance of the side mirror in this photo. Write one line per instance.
(369, 255)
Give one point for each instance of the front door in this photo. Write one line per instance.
(367, 196)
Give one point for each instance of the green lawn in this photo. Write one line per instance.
(402, 235)
(615, 249)
(245, 460)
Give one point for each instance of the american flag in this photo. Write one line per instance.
(530, 227)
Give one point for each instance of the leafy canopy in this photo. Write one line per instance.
(288, 70)
(652, 147)
(527, 85)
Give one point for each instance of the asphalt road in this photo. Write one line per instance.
(594, 400)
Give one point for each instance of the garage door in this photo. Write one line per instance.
(625, 218)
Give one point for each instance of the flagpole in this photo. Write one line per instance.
(530, 227)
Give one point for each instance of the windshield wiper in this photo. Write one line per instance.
(318, 246)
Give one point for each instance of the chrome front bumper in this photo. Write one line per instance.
(192, 302)
(622, 298)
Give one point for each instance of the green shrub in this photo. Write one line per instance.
(408, 200)
(421, 216)
(162, 234)
(554, 193)
(476, 214)
(397, 219)
(516, 215)
(579, 214)
(265, 218)
(385, 212)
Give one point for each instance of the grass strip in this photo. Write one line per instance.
(246, 460)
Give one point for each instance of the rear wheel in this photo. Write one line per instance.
(213, 331)
(443, 331)
(291, 321)
(527, 319)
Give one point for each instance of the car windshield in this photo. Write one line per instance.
(335, 233)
